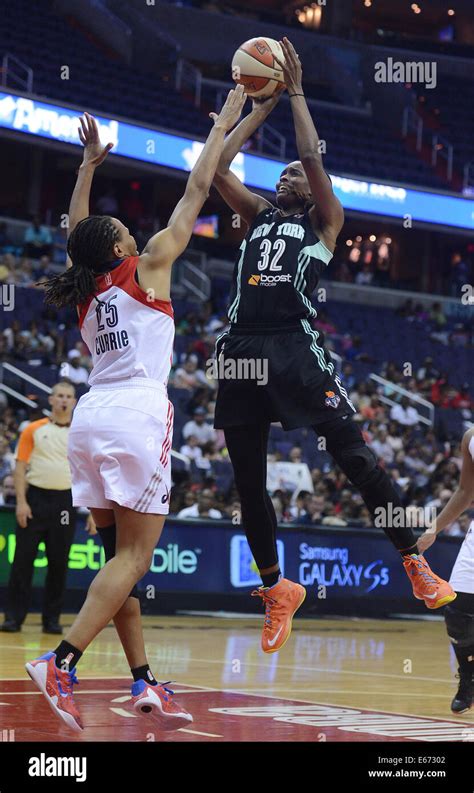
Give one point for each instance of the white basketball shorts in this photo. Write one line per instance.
(119, 446)
(462, 576)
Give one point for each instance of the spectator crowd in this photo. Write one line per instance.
(423, 462)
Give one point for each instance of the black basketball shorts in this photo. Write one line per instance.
(275, 375)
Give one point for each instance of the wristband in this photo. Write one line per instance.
(290, 95)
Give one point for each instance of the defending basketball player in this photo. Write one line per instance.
(286, 249)
(459, 616)
(121, 431)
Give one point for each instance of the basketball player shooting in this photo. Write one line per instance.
(121, 431)
(286, 249)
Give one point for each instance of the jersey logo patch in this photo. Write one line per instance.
(269, 280)
(332, 400)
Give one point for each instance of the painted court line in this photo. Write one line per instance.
(123, 712)
(352, 692)
(303, 713)
(225, 662)
(26, 679)
(333, 705)
(123, 698)
(332, 671)
(194, 688)
(250, 693)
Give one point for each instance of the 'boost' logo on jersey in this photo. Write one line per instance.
(269, 280)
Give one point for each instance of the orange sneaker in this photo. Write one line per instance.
(281, 601)
(427, 585)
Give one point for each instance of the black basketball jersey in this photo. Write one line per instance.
(277, 270)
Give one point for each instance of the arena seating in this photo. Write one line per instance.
(31, 30)
(359, 145)
(442, 110)
(356, 144)
(398, 336)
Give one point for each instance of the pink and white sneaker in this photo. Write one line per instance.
(56, 686)
(157, 703)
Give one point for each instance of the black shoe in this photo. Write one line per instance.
(463, 699)
(10, 626)
(52, 627)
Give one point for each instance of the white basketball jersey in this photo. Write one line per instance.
(462, 577)
(128, 333)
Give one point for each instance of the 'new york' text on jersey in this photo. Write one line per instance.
(280, 262)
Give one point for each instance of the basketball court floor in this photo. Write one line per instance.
(335, 680)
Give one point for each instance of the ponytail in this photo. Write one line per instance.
(89, 247)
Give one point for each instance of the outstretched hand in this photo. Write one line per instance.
(291, 67)
(94, 152)
(231, 110)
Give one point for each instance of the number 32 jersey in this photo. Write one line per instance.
(129, 334)
(280, 262)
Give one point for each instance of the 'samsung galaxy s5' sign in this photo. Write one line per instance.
(326, 566)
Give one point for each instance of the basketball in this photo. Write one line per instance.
(254, 66)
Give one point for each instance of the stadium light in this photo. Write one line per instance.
(310, 16)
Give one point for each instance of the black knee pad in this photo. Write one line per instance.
(460, 626)
(108, 535)
(345, 444)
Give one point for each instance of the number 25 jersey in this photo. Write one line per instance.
(279, 265)
(129, 334)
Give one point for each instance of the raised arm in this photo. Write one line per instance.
(327, 215)
(94, 154)
(165, 247)
(235, 194)
(463, 496)
(461, 499)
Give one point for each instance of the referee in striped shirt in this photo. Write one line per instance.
(44, 512)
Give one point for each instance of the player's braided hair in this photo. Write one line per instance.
(89, 247)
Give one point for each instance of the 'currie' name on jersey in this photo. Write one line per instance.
(114, 340)
(286, 229)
